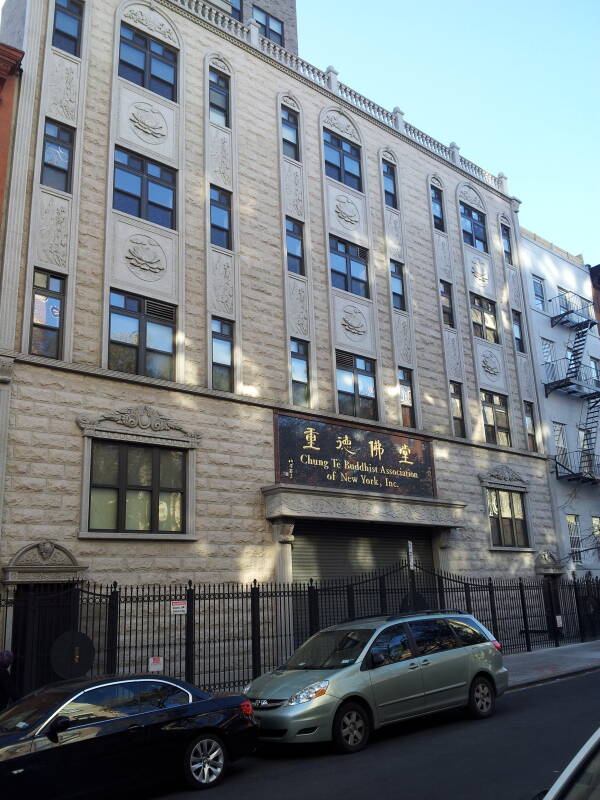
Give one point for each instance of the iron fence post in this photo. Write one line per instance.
(190, 630)
(493, 607)
(551, 615)
(112, 630)
(412, 590)
(525, 615)
(441, 596)
(255, 627)
(350, 601)
(383, 595)
(313, 608)
(468, 598)
(578, 610)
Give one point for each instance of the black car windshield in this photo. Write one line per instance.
(32, 710)
(330, 649)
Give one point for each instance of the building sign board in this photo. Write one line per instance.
(317, 453)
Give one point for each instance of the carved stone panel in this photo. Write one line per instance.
(480, 273)
(490, 367)
(442, 256)
(471, 197)
(514, 285)
(298, 315)
(403, 339)
(147, 124)
(220, 157)
(293, 190)
(52, 236)
(141, 16)
(526, 378)
(393, 234)
(347, 213)
(340, 123)
(62, 89)
(144, 260)
(221, 283)
(452, 352)
(353, 321)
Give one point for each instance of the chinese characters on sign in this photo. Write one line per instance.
(337, 456)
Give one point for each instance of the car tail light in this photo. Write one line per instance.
(497, 645)
(246, 707)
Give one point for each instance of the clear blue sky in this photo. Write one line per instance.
(515, 84)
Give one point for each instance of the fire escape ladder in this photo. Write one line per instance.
(591, 424)
(578, 348)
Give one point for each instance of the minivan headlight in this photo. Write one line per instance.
(309, 693)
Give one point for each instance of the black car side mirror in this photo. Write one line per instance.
(58, 725)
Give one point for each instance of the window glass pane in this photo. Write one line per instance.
(122, 358)
(137, 511)
(218, 116)
(294, 245)
(299, 370)
(159, 337)
(344, 380)
(159, 366)
(219, 216)
(163, 71)
(169, 511)
(105, 463)
(346, 403)
(366, 386)
(56, 178)
(517, 505)
(358, 270)
(139, 466)
(222, 378)
(44, 342)
(221, 352)
(132, 55)
(128, 182)
(124, 329)
(46, 311)
(103, 509)
(171, 469)
(160, 195)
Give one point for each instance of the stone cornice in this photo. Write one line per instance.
(10, 61)
(173, 5)
(200, 391)
(308, 502)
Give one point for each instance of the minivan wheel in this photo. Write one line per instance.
(351, 728)
(205, 761)
(482, 698)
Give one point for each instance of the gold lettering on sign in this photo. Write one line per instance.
(404, 454)
(345, 443)
(310, 435)
(377, 449)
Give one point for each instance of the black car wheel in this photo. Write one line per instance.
(482, 698)
(351, 728)
(205, 761)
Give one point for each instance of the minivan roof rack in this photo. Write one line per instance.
(425, 611)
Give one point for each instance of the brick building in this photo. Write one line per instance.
(252, 325)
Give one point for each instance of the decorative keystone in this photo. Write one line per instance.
(331, 76)
(454, 153)
(399, 120)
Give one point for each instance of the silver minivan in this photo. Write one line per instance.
(350, 679)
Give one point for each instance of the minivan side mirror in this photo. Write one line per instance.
(58, 725)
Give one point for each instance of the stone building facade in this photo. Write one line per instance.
(252, 325)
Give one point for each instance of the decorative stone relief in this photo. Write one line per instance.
(347, 212)
(480, 274)
(150, 20)
(220, 64)
(222, 283)
(403, 336)
(548, 563)
(7, 367)
(353, 322)
(145, 257)
(340, 123)
(148, 123)
(145, 417)
(442, 256)
(220, 157)
(289, 101)
(42, 561)
(514, 288)
(393, 232)
(389, 156)
(526, 380)
(452, 353)
(490, 365)
(436, 182)
(471, 197)
(63, 90)
(53, 238)
(293, 190)
(297, 310)
(502, 474)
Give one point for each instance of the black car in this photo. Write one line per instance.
(76, 737)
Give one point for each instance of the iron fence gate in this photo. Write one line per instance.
(220, 636)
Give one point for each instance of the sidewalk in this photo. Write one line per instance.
(526, 669)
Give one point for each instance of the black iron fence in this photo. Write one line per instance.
(220, 636)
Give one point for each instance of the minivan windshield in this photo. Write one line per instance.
(330, 649)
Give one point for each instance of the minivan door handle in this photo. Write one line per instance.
(425, 662)
(414, 666)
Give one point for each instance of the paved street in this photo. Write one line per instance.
(511, 756)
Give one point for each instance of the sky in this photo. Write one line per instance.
(515, 84)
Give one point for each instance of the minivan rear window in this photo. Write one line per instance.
(467, 633)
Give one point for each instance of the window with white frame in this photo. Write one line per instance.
(539, 293)
(507, 518)
(574, 537)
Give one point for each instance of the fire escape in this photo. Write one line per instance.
(571, 376)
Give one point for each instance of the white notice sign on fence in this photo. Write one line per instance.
(178, 607)
(155, 664)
